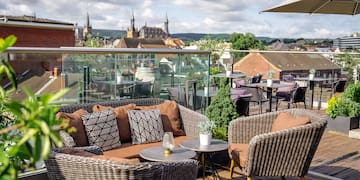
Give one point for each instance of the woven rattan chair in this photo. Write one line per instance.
(65, 166)
(282, 153)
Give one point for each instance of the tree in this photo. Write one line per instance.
(221, 110)
(216, 47)
(244, 42)
(348, 63)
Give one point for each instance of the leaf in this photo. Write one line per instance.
(59, 94)
(46, 147)
(10, 73)
(43, 127)
(37, 148)
(29, 134)
(56, 139)
(10, 40)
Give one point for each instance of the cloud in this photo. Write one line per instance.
(200, 16)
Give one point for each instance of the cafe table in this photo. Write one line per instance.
(312, 87)
(269, 89)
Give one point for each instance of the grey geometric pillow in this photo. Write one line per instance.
(146, 126)
(101, 129)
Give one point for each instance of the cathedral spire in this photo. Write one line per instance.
(87, 20)
(166, 25)
(132, 22)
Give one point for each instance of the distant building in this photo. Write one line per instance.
(141, 43)
(296, 64)
(348, 42)
(34, 70)
(37, 32)
(146, 32)
(87, 27)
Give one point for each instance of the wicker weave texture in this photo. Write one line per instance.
(283, 153)
(64, 166)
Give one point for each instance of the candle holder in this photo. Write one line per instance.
(168, 143)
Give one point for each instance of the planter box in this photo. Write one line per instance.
(343, 124)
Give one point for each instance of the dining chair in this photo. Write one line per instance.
(257, 97)
(241, 99)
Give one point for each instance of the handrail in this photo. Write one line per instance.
(86, 50)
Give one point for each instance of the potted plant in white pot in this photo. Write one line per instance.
(206, 128)
(269, 80)
(312, 74)
(228, 69)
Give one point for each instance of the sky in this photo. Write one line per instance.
(189, 16)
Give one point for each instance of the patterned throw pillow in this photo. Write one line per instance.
(146, 126)
(101, 129)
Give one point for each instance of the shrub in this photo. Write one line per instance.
(352, 92)
(348, 108)
(221, 110)
(332, 107)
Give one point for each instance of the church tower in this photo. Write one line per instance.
(87, 27)
(166, 25)
(131, 33)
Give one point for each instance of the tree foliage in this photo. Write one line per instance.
(221, 110)
(348, 63)
(244, 42)
(216, 47)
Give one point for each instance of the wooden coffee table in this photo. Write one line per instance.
(157, 154)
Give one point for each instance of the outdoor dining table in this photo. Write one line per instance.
(269, 90)
(312, 86)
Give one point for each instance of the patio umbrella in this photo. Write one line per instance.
(349, 7)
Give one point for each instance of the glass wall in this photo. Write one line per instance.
(94, 75)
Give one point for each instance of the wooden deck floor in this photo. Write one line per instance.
(337, 156)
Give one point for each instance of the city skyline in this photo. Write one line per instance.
(185, 16)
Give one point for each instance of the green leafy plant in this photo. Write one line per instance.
(27, 128)
(206, 127)
(312, 71)
(348, 108)
(352, 92)
(348, 105)
(332, 109)
(271, 74)
(221, 110)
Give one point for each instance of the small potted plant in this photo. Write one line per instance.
(270, 78)
(312, 74)
(206, 128)
(228, 70)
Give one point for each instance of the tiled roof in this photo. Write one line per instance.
(133, 42)
(298, 61)
(31, 19)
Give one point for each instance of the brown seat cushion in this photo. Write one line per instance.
(75, 121)
(285, 120)
(170, 116)
(129, 150)
(122, 119)
(239, 153)
(117, 159)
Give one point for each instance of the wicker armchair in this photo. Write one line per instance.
(282, 153)
(65, 166)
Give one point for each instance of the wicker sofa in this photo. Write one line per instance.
(287, 152)
(66, 166)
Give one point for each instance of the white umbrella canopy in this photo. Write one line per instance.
(347, 7)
